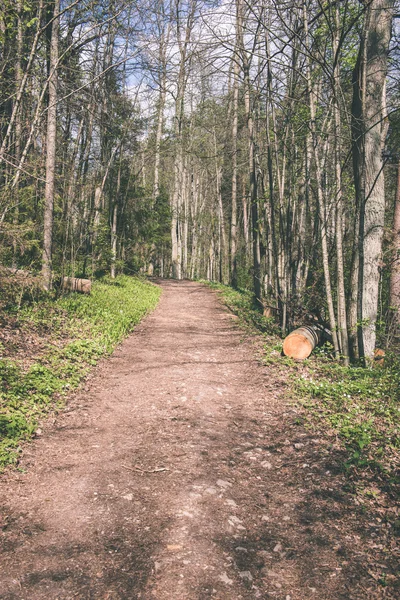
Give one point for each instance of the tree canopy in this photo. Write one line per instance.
(251, 143)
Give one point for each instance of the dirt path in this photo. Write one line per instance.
(180, 473)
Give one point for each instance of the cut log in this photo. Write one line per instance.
(301, 342)
(74, 284)
(379, 357)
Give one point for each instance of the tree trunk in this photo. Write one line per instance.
(252, 163)
(246, 232)
(176, 216)
(114, 221)
(320, 194)
(18, 117)
(395, 271)
(51, 141)
(272, 151)
(235, 106)
(342, 317)
(160, 117)
(369, 131)
(183, 44)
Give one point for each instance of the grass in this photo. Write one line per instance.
(360, 407)
(80, 330)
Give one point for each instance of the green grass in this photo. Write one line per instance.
(81, 329)
(360, 406)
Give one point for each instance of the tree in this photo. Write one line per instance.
(178, 139)
(369, 133)
(395, 267)
(51, 143)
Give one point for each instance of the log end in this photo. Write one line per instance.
(296, 345)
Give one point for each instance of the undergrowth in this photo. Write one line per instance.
(81, 329)
(360, 406)
(241, 303)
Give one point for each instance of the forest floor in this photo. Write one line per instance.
(181, 470)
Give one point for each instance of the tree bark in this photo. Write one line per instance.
(18, 116)
(369, 131)
(162, 82)
(320, 194)
(252, 164)
(114, 221)
(235, 108)
(183, 44)
(342, 317)
(395, 270)
(51, 141)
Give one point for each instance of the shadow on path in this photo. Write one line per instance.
(180, 472)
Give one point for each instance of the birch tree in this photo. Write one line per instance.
(51, 143)
(369, 133)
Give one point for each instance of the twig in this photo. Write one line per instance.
(136, 468)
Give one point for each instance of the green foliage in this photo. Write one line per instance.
(153, 221)
(150, 230)
(241, 303)
(93, 325)
(243, 273)
(361, 405)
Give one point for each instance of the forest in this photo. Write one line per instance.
(251, 143)
(213, 175)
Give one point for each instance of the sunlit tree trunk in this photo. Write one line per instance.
(51, 141)
(342, 317)
(369, 132)
(162, 82)
(235, 108)
(183, 44)
(18, 118)
(320, 194)
(114, 220)
(395, 270)
(246, 232)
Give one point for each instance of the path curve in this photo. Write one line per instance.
(177, 473)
